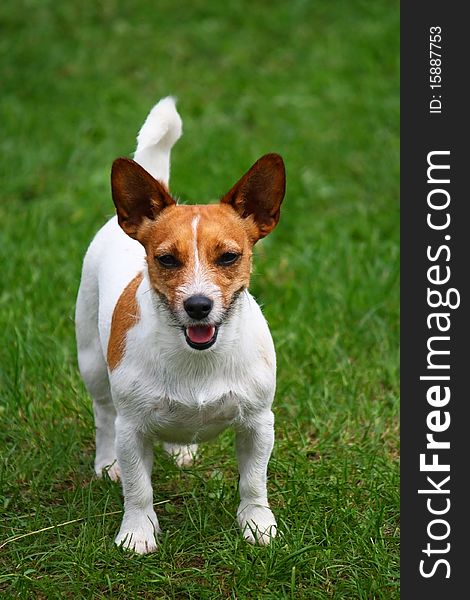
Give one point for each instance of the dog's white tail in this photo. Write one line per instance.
(162, 128)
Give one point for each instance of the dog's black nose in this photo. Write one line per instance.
(198, 307)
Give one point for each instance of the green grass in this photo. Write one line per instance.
(316, 82)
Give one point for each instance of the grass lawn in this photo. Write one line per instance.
(316, 82)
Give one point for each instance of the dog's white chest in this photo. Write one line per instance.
(180, 396)
(199, 421)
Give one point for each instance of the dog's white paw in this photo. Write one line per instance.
(111, 467)
(183, 455)
(139, 534)
(257, 523)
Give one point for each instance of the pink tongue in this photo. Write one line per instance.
(201, 334)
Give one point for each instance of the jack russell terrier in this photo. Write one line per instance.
(171, 345)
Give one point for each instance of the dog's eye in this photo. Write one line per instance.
(227, 258)
(168, 261)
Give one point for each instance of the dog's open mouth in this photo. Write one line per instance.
(201, 337)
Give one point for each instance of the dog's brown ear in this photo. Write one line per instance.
(259, 194)
(136, 195)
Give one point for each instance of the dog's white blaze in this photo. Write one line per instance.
(200, 282)
(197, 264)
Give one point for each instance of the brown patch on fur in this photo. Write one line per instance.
(219, 230)
(266, 359)
(125, 315)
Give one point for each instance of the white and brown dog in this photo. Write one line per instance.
(171, 345)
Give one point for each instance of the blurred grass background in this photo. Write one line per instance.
(316, 82)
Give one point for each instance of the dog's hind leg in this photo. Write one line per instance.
(105, 417)
(94, 371)
(183, 455)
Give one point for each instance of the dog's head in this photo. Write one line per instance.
(199, 257)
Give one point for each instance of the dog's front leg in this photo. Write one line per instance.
(254, 443)
(135, 456)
